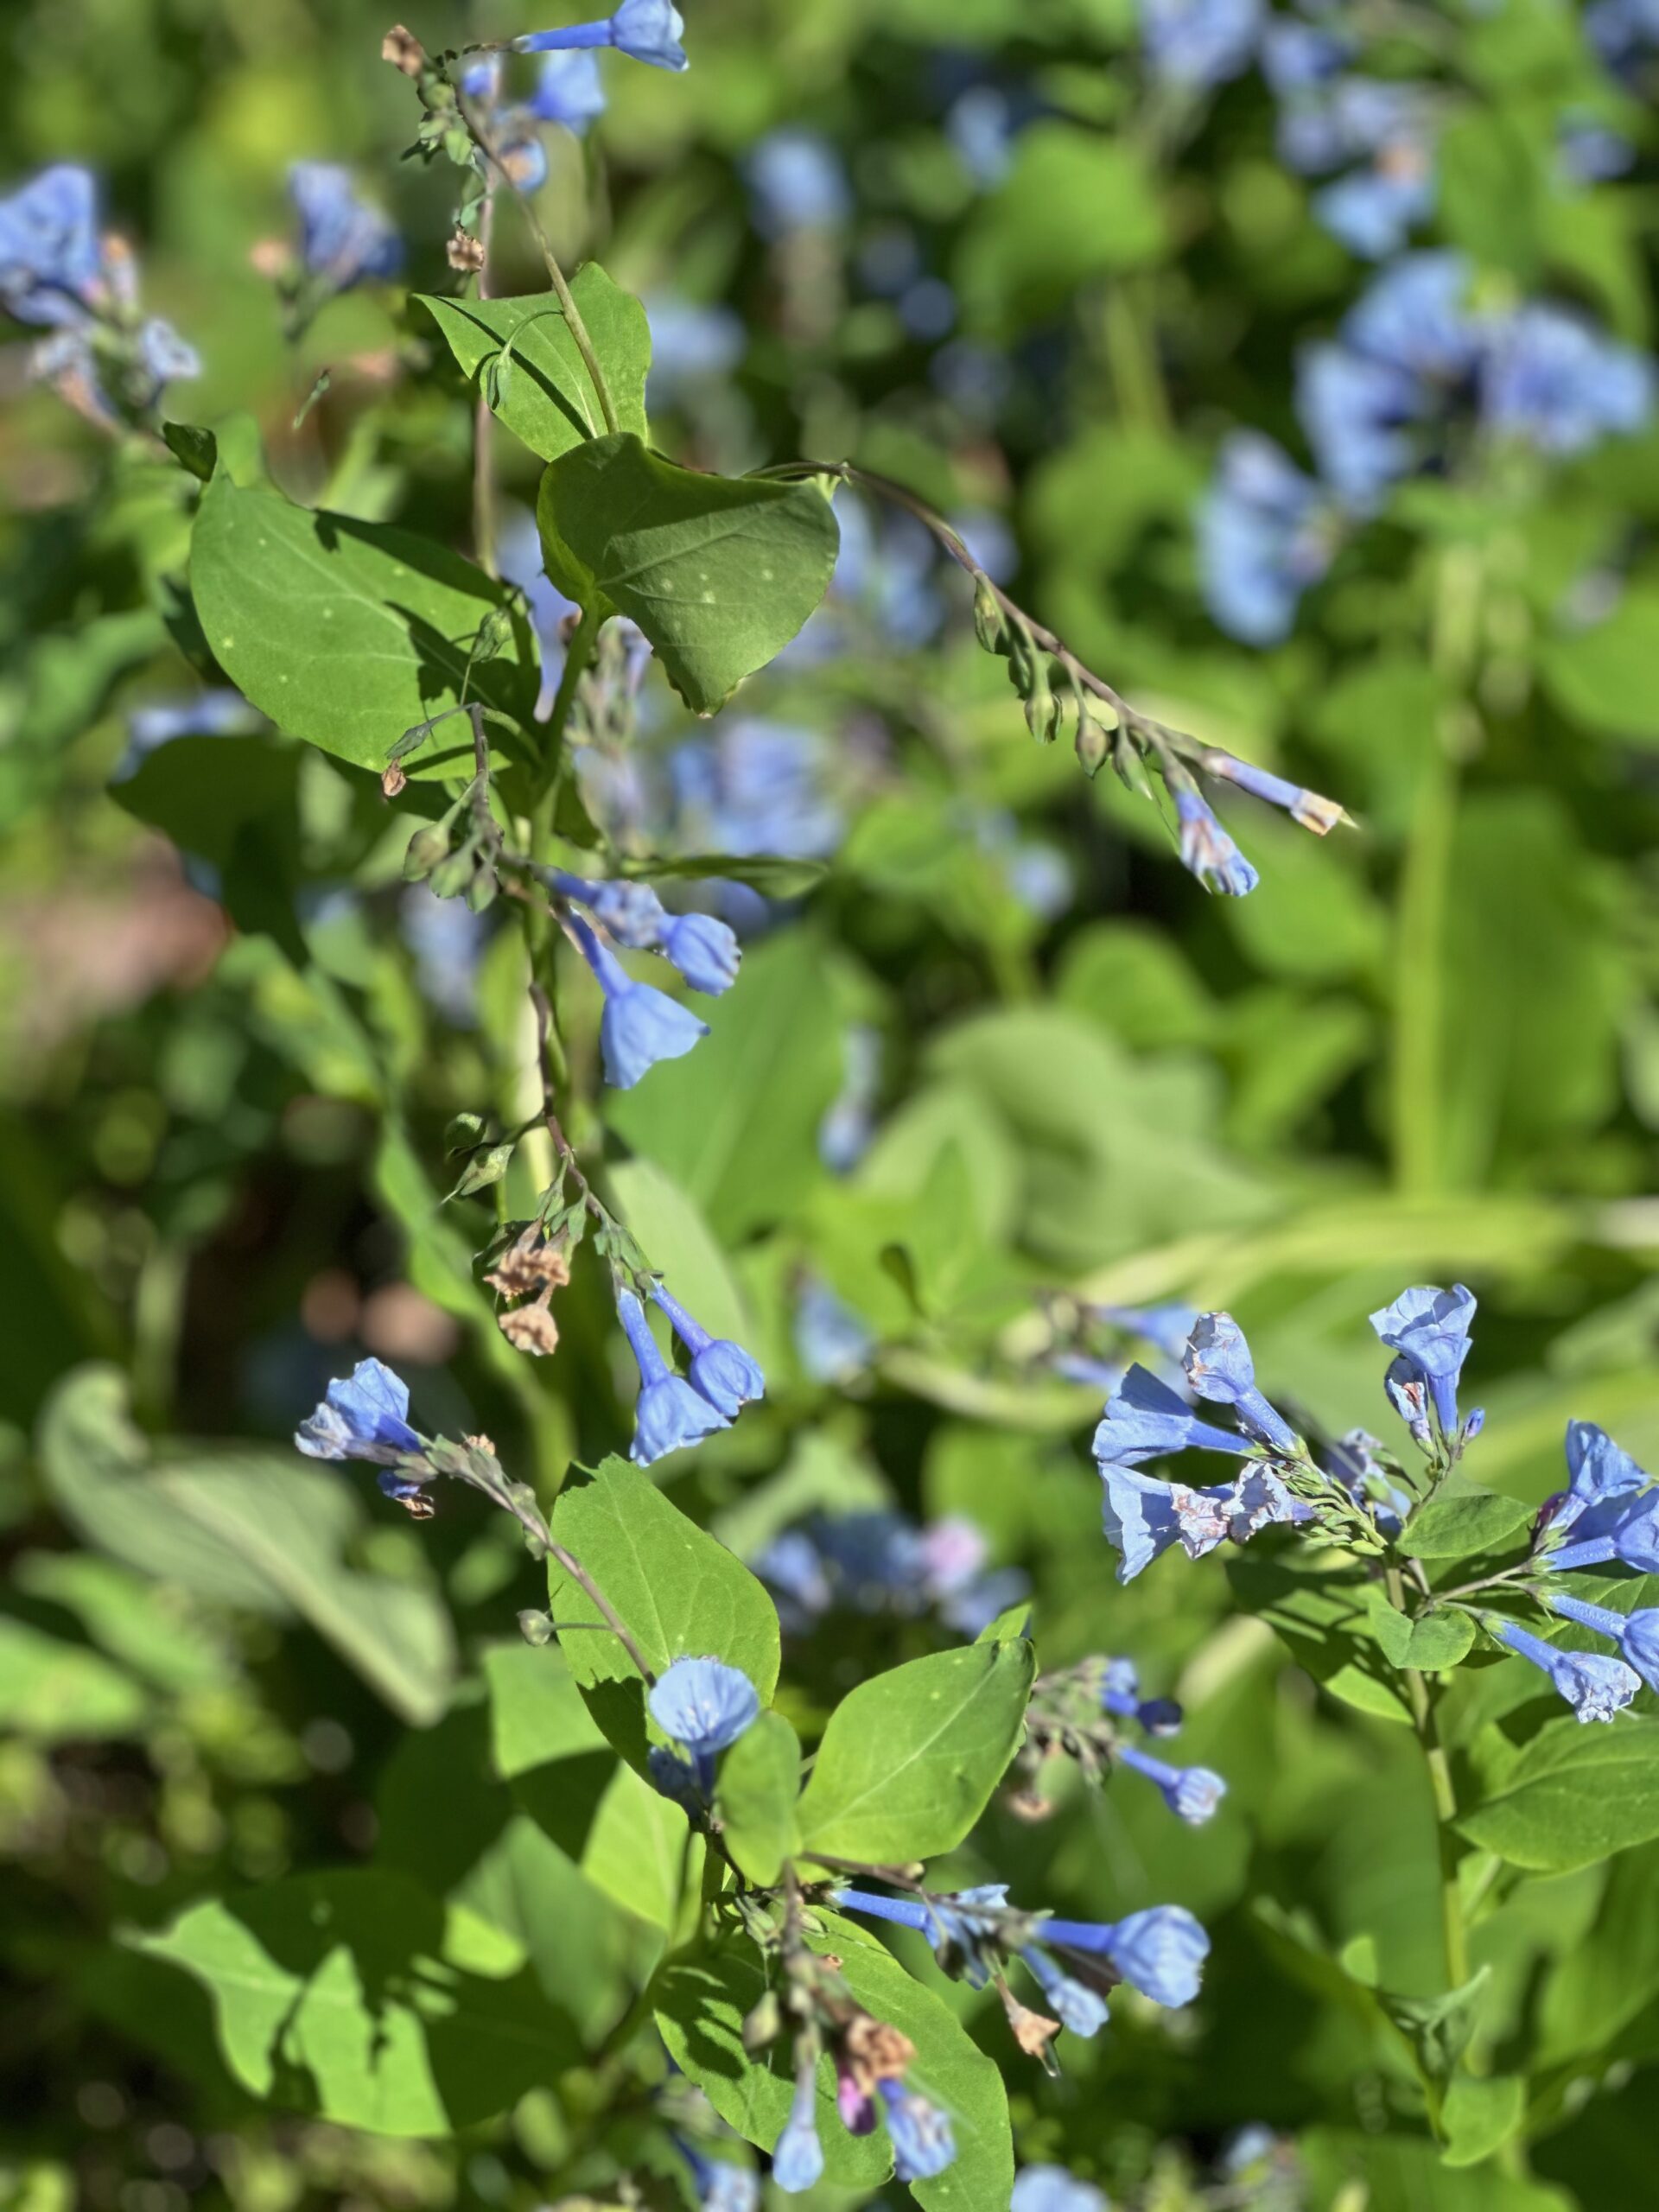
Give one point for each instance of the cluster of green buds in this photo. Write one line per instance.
(1053, 697)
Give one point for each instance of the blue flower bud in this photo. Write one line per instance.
(705, 949)
(1218, 1366)
(923, 2145)
(1159, 1951)
(164, 356)
(632, 912)
(1208, 852)
(1075, 2006)
(798, 2160)
(1429, 1329)
(721, 1370)
(1193, 1792)
(1595, 1686)
(363, 1418)
(640, 1026)
(669, 1413)
(831, 1342)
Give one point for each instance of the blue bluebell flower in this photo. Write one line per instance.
(705, 950)
(1309, 808)
(447, 941)
(981, 124)
(640, 1024)
(1429, 1328)
(1200, 43)
(1626, 33)
(923, 2145)
(1143, 1518)
(1166, 1327)
(1407, 1393)
(645, 31)
(691, 345)
(670, 1412)
(722, 2185)
(1415, 316)
(798, 182)
(1051, 2188)
(217, 713)
(51, 256)
(1246, 2147)
(1207, 850)
(797, 2159)
(963, 1928)
(1373, 212)
(630, 912)
(1354, 410)
(1636, 1634)
(760, 787)
(1080, 2009)
(1553, 382)
(1192, 1792)
(1145, 1419)
(1158, 1951)
(1599, 1472)
(793, 1569)
(570, 90)
(1296, 57)
(1596, 1687)
(362, 1417)
(1120, 1695)
(164, 357)
(704, 1704)
(1591, 151)
(1265, 536)
(343, 240)
(1219, 1368)
(720, 1371)
(831, 1342)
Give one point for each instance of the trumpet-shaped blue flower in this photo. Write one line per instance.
(1266, 535)
(1636, 1634)
(631, 912)
(362, 1417)
(721, 1371)
(1595, 1686)
(1193, 1792)
(164, 356)
(1145, 1419)
(1120, 1695)
(1429, 1329)
(1207, 850)
(1219, 1368)
(923, 2145)
(670, 1412)
(722, 2185)
(798, 2160)
(1602, 1481)
(1167, 1326)
(1051, 2188)
(704, 1704)
(1373, 211)
(51, 256)
(1200, 43)
(1077, 2007)
(343, 240)
(1160, 1951)
(645, 31)
(640, 1024)
(1143, 1516)
(1553, 382)
(963, 1928)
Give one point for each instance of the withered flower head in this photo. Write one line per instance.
(875, 2052)
(404, 50)
(533, 1263)
(464, 251)
(531, 1328)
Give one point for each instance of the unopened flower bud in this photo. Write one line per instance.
(989, 624)
(536, 1627)
(404, 50)
(427, 848)
(1042, 708)
(1093, 745)
(454, 873)
(480, 892)
(763, 2024)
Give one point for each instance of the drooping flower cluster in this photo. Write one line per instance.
(975, 1933)
(59, 272)
(1078, 1714)
(673, 1409)
(881, 1563)
(569, 91)
(1417, 361)
(366, 1416)
(641, 1025)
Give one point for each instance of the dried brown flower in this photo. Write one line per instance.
(875, 2052)
(534, 1262)
(404, 50)
(464, 251)
(393, 779)
(531, 1328)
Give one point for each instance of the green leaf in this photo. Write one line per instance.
(54, 1691)
(909, 1760)
(679, 1592)
(1575, 1794)
(1429, 1644)
(1438, 2029)
(1481, 2111)
(759, 1783)
(548, 399)
(1607, 675)
(1463, 1518)
(356, 1996)
(719, 573)
(772, 878)
(244, 1527)
(1323, 1621)
(346, 633)
(191, 447)
(735, 1122)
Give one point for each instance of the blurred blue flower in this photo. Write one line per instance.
(1354, 410)
(1265, 535)
(447, 941)
(1415, 316)
(1207, 850)
(1166, 1327)
(1591, 151)
(798, 181)
(979, 125)
(1218, 1367)
(720, 1371)
(1624, 33)
(1556, 383)
(164, 356)
(1120, 1695)
(722, 2185)
(798, 2157)
(923, 2145)
(1296, 57)
(640, 1024)
(669, 1412)
(1198, 44)
(691, 344)
(364, 1417)
(1077, 2007)
(1051, 2188)
(51, 256)
(1429, 1329)
(518, 557)
(1192, 1792)
(1372, 211)
(847, 1126)
(1596, 1687)
(218, 712)
(645, 31)
(760, 787)
(1636, 1634)
(568, 90)
(343, 241)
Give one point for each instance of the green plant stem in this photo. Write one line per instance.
(484, 501)
(1418, 1084)
(1421, 1701)
(1132, 355)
